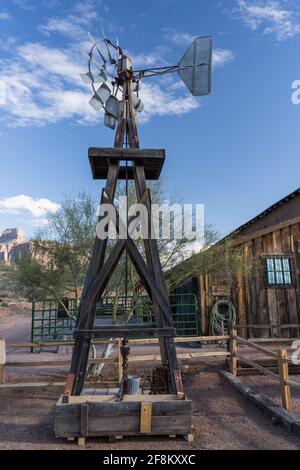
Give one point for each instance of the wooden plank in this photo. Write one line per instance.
(194, 339)
(117, 332)
(292, 307)
(107, 360)
(126, 398)
(272, 307)
(273, 410)
(126, 154)
(146, 417)
(233, 352)
(84, 419)
(32, 384)
(241, 302)
(2, 360)
(266, 231)
(283, 368)
(257, 366)
(202, 303)
(54, 344)
(251, 344)
(261, 293)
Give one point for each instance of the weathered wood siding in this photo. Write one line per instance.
(256, 303)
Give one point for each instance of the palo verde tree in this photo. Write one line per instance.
(60, 252)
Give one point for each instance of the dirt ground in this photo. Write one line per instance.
(222, 418)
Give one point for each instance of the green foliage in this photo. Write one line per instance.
(7, 282)
(221, 260)
(60, 252)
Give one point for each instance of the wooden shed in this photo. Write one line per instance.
(271, 297)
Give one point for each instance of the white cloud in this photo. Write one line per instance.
(36, 207)
(270, 16)
(62, 26)
(46, 86)
(24, 4)
(222, 57)
(58, 62)
(74, 24)
(160, 102)
(178, 37)
(4, 16)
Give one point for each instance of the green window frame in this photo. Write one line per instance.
(279, 271)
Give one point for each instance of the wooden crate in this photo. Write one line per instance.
(85, 416)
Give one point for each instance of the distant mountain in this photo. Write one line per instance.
(13, 245)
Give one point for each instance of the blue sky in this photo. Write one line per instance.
(236, 151)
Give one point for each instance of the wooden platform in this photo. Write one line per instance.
(152, 159)
(100, 414)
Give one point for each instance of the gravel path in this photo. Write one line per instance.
(222, 418)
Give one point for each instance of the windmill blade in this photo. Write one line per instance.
(110, 121)
(89, 78)
(96, 103)
(137, 103)
(112, 106)
(103, 92)
(195, 66)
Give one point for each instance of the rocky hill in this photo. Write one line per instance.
(12, 245)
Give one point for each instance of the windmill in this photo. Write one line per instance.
(115, 88)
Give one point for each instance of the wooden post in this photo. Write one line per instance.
(2, 361)
(120, 361)
(283, 369)
(233, 353)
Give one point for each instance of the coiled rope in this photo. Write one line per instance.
(221, 318)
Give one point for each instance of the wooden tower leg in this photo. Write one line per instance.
(86, 315)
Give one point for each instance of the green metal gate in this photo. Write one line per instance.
(51, 323)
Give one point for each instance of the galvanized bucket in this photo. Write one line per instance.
(134, 384)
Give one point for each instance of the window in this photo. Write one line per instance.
(279, 271)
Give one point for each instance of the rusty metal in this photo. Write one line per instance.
(159, 384)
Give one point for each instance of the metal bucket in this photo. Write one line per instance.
(134, 384)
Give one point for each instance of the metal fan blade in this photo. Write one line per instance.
(134, 86)
(96, 103)
(110, 121)
(103, 92)
(89, 78)
(137, 103)
(195, 66)
(140, 107)
(112, 106)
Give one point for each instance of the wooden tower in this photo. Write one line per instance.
(76, 414)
